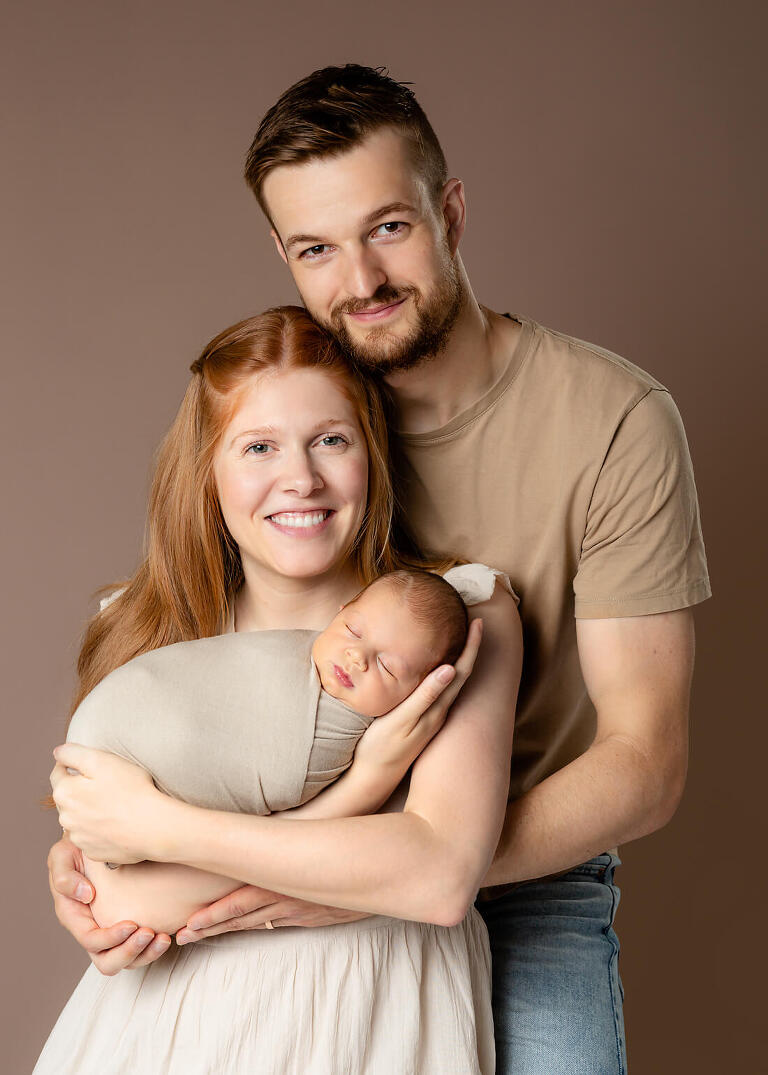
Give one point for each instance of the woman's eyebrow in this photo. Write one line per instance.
(265, 431)
(269, 431)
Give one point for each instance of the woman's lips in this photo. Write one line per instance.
(378, 313)
(342, 677)
(301, 524)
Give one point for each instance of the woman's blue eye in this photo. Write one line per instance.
(331, 440)
(257, 449)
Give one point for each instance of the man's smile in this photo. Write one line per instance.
(376, 313)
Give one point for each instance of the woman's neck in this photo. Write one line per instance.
(273, 602)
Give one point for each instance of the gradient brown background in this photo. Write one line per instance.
(614, 160)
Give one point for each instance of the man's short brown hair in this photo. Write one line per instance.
(334, 109)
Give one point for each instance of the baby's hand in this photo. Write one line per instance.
(394, 741)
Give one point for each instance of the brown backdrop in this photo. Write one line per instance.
(615, 176)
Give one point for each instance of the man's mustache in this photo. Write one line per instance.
(383, 295)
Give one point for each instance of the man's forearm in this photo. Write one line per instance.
(610, 795)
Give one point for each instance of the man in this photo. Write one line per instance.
(560, 463)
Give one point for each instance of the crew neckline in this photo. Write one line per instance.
(470, 413)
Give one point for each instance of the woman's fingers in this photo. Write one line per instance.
(466, 661)
(426, 708)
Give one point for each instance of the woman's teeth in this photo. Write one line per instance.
(300, 518)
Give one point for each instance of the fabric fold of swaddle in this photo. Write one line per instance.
(247, 704)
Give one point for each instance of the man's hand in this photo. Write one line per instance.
(251, 907)
(111, 950)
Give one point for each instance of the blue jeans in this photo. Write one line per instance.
(557, 995)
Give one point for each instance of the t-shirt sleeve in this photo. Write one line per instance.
(643, 551)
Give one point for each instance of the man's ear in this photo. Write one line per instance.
(279, 245)
(454, 212)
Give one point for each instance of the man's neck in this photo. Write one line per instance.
(478, 350)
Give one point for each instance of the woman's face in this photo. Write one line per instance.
(291, 472)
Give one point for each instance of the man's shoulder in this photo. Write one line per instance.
(579, 363)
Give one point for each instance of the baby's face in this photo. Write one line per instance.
(373, 654)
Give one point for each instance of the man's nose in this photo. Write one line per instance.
(356, 658)
(365, 274)
(300, 474)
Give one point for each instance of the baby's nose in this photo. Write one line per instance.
(357, 658)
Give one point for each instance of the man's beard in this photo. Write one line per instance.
(384, 353)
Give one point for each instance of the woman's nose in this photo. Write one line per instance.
(300, 475)
(356, 658)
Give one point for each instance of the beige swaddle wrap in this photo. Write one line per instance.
(249, 705)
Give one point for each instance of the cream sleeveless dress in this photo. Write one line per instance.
(381, 996)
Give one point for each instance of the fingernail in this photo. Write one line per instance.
(445, 675)
(126, 931)
(83, 892)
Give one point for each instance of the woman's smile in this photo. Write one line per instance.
(292, 475)
(301, 524)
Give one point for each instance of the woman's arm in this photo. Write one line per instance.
(163, 896)
(445, 837)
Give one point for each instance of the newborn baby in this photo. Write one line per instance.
(263, 721)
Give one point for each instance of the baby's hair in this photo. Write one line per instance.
(436, 605)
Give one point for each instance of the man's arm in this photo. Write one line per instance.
(637, 671)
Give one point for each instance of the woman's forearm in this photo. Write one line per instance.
(425, 863)
(160, 895)
(414, 872)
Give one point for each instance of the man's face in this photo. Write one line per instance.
(370, 253)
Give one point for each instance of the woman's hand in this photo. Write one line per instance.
(394, 741)
(111, 950)
(108, 807)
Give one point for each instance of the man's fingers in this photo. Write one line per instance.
(240, 902)
(271, 912)
(64, 876)
(115, 959)
(72, 884)
(156, 947)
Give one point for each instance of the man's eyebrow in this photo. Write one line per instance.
(303, 239)
(387, 210)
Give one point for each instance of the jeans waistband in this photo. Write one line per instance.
(597, 866)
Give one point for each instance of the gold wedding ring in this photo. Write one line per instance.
(269, 924)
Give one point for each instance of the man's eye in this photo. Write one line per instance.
(392, 227)
(314, 251)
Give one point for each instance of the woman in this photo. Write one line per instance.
(271, 505)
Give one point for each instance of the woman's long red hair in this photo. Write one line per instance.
(184, 587)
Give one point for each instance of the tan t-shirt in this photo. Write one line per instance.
(572, 475)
